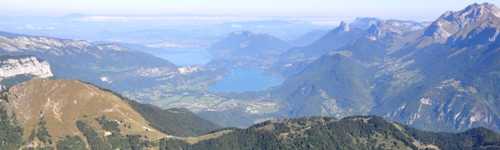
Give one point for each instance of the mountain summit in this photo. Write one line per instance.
(443, 77)
(61, 113)
(462, 22)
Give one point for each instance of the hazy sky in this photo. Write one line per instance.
(402, 9)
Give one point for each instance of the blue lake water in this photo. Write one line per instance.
(246, 79)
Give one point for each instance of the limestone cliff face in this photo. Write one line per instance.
(15, 66)
(10, 67)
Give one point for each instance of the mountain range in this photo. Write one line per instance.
(362, 31)
(99, 63)
(434, 85)
(442, 77)
(405, 71)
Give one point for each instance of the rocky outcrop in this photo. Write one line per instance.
(14, 66)
(461, 23)
(30, 65)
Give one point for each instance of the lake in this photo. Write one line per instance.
(245, 80)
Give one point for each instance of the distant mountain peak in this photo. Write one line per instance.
(463, 21)
(374, 32)
(473, 12)
(344, 27)
(245, 34)
(364, 23)
(482, 9)
(378, 28)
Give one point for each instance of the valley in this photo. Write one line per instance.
(237, 82)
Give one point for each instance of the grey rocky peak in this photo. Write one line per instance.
(343, 26)
(374, 32)
(364, 23)
(375, 28)
(13, 67)
(465, 20)
(475, 11)
(20, 65)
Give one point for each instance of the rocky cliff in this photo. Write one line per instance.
(15, 66)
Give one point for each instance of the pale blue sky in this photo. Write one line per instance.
(399, 9)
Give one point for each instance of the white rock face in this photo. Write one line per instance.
(28, 65)
(188, 70)
(425, 101)
(460, 23)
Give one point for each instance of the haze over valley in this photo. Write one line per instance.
(252, 78)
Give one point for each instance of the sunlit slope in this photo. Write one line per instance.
(61, 103)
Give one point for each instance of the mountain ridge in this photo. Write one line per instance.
(356, 132)
(50, 112)
(99, 63)
(434, 85)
